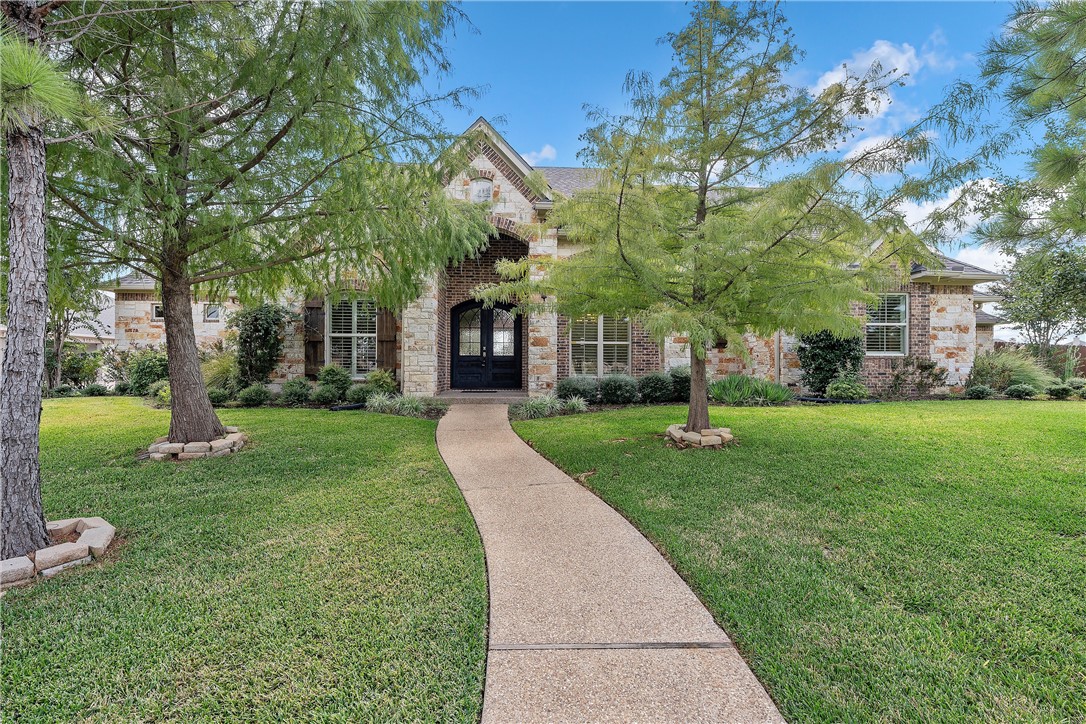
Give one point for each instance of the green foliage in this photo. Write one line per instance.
(618, 390)
(159, 393)
(33, 86)
(78, 366)
(1060, 391)
(410, 406)
(325, 394)
(536, 407)
(579, 386)
(146, 367)
(680, 382)
(220, 370)
(115, 363)
(218, 396)
(254, 396)
(381, 381)
(122, 388)
(656, 387)
(979, 392)
(63, 391)
(1044, 294)
(335, 377)
(1006, 368)
(295, 393)
(380, 402)
(574, 404)
(914, 375)
(824, 356)
(260, 340)
(95, 390)
(357, 393)
(1020, 391)
(744, 390)
(847, 386)
(1076, 383)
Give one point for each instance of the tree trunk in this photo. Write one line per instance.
(24, 357)
(697, 418)
(192, 418)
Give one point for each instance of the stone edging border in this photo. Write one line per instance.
(163, 449)
(95, 535)
(714, 437)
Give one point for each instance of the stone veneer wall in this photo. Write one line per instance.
(418, 343)
(985, 338)
(134, 326)
(953, 331)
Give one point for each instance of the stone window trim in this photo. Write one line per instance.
(599, 343)
(354, 335)
(903, 325)
(213, 313)
(158, 311)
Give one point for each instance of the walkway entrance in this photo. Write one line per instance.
(486, 347)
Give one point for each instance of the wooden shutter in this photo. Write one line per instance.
(386, 340)
(314, 336)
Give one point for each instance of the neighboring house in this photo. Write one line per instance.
(91, 339)
(139, 322)
(445, 340)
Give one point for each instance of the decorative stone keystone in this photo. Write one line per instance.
(172, 448)
(93, 522)
(191, 455)
(61, 527)
(223, 444)
(14, 570)
(98, 539)
(197, 447)
(230, 429)
(54, 556)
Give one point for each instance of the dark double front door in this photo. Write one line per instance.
(486, 348)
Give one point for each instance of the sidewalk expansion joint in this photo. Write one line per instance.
(610, 646)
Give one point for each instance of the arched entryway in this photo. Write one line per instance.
(487, 347)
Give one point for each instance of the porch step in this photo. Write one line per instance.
(488, 397)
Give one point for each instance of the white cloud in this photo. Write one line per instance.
(547, 153)
(934, 56)
(868, 143)
(899, 59)
(983, 257)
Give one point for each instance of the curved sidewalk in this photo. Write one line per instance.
(588, 622)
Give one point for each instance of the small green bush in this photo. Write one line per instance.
(409, 406)
(145, 368)
(847, 386)
(63, 391)
(325, 394)
(825, 356)
(1057, 392)
(655, 387)
(1008, 368)
(1076, 383)
(381, 381)
(218, 396)
(732, 390)
(254, 395)
(221, 370)
(97, 390)
(618, 390)
(159, 393)
(357, 393)
(295, 393)
(575, 404)
(583, 386)
(380, 402)
(979, 392)
(336, 377)
(680, 383)
(260, 340)
(122, 388)
(536, 407)
(1020, 392)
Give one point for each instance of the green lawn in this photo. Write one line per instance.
(891, 562)
(330, 571)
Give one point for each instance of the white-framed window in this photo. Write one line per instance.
(158, 311)
(350, 338)
(888, 326)
(481, 190)
(600, 346)
(212, 313)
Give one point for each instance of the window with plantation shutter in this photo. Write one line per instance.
(600, 346)
(351, 339)
(888, 326)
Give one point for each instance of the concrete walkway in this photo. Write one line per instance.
(588, 622)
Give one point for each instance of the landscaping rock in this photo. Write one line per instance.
(220, 453)
(50, 572)
(14, 570)
(237, 437)
(710, 440)
(61, 527)
(172, 448)
(164, 438)
(161, 456)
(197, 447)
(692, 437)
(54, 556)
(230, 429)
(92, 522)
(98, 539)
(191, 455)
(222, 444)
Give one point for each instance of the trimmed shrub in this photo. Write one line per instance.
(1056, 392)
(145, 368)
(1009, 368)
(655, 387)
(979, 392)
(218, 396)
(380, 402)
(381, 381)
(680, 383)
(260, 340)
(847, 386)
(337, 378)
(325, 394)
(63, 391)
(97, 390)
(357, 393)
(254, 396)
(122, 388)
(1020, 392)
(618, 390)
(295, 393)
(575, 404)
(1076, 383)
(409, 406)
(824, 357)
(536, 407)
(583, 386)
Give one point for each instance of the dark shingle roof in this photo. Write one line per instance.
(984, 318)
(954, 267)
(568, 180)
